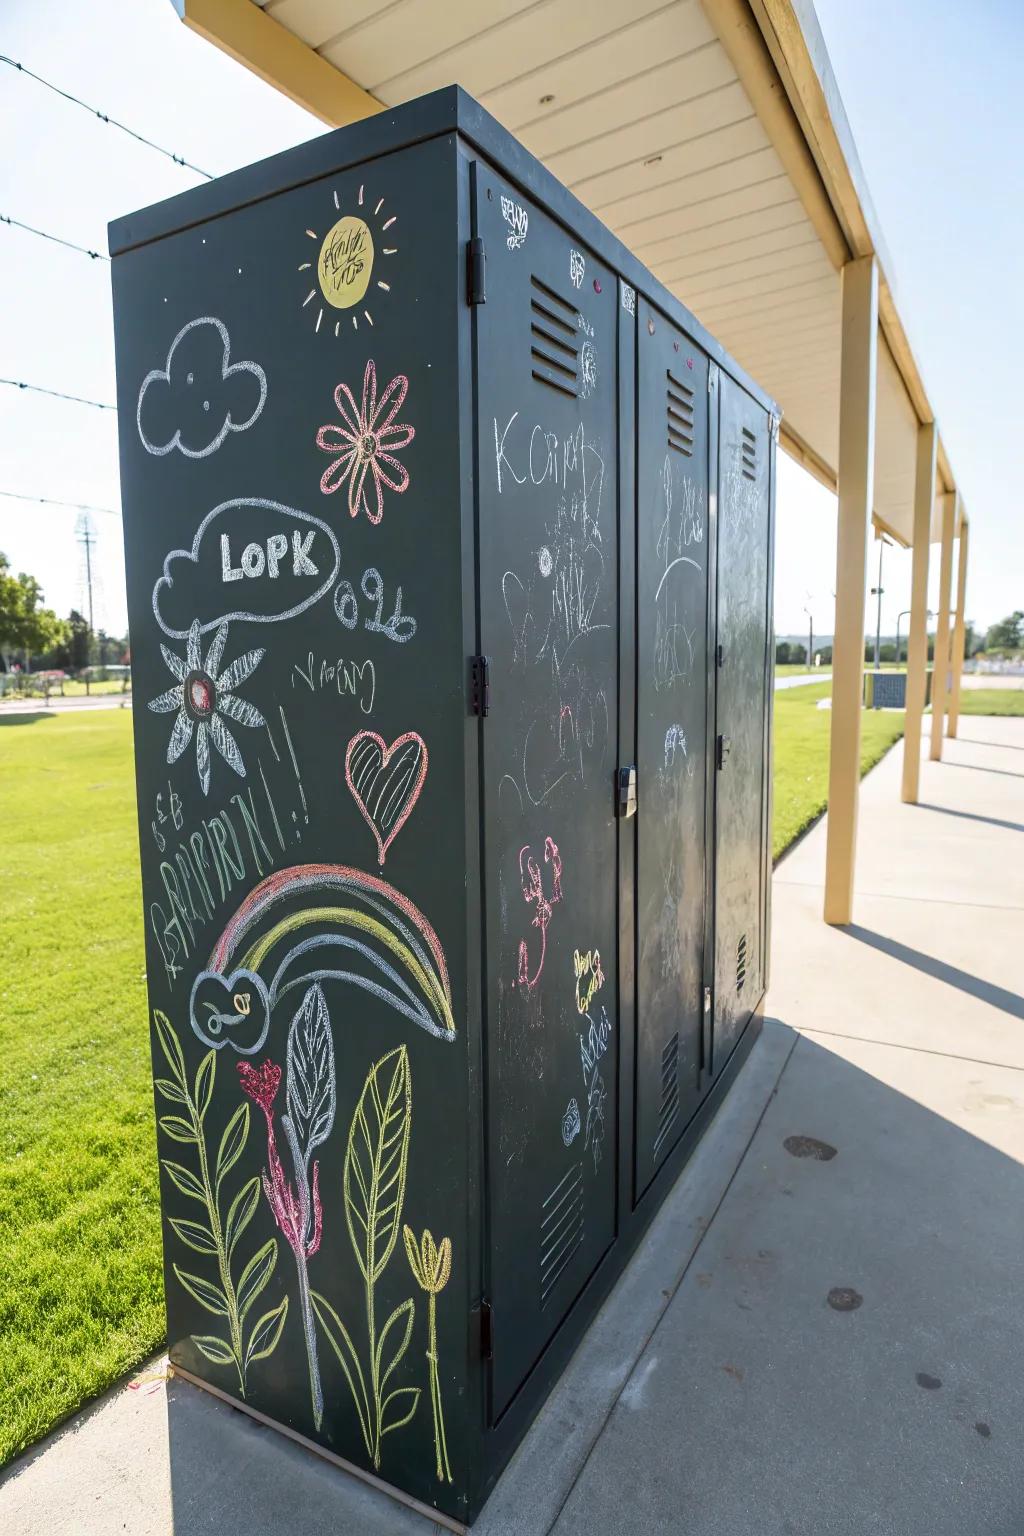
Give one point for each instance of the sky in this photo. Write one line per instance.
(935, 114)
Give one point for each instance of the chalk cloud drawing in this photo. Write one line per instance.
(385, 782)
(431, 1265)
(571, 1123)
(217, 1235)
(204, 697)
(576, 268)
(199, 395)
(534, 895)
(365, 446)
(311, 1097)
(346, 258)
(518, 221)
(286, 562)
(233, 1010)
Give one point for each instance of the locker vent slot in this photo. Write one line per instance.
(748, 450)
(561, 1229)
(554, 339)
(668, 1109)
(741, 962)
(679, 415)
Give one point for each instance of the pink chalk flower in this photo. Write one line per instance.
(365, 446)
(294, 1210)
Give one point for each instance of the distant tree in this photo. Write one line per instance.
(25, 625)
(782, 653)
(1008, 634)
(797, 653)
(825, 653)
(79, 643)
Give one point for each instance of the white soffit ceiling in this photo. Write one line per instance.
(652, 129)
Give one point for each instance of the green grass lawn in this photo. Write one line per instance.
(802, 733)
(992, 701)
(80, 1289)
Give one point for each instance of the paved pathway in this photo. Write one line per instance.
(55, 705)
(801, 679)
(803, 1344)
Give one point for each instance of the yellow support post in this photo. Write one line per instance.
(917, 642)
(958, 632)
(940, 670)
(856, 491)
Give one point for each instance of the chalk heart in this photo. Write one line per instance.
(385, 781)
(230, 1010)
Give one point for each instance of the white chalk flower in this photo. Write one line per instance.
(203, 696)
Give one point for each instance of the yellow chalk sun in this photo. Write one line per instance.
(346, 260)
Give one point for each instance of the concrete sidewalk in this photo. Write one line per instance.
(822, 1331)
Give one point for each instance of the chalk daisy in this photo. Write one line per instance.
(203, 697)
(365, 446)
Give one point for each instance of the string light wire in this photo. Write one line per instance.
(58, 394)
(49, 501)
(57, 239)
(104, 118)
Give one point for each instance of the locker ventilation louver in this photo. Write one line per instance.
(554, 339)
(748, 451)
(679, 415)
(741, 962)
(668, 1108)
(561, 1229)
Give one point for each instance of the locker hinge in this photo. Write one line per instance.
(723, 750)
(479, 685)
(486, 1330)
(477, 271)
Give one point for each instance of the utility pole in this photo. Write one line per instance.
(810, 638)
(86, 536)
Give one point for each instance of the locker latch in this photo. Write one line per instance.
(724, 748)
(626, 798)
(479, 685)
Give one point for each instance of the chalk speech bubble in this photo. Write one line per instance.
(293, 561)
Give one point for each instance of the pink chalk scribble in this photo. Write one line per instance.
(366, 444)
(530, 874)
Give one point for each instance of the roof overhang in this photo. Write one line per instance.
(708, 134)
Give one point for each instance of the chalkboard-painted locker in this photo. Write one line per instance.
(448, 549)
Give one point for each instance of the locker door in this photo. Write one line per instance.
(672, 696)
(742, 787)
(548, 594)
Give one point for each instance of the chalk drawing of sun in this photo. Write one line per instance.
(345, 263)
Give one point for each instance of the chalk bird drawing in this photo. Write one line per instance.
(217, 1235)
(366, 444)
(311, 1095)
(204, 696)
(373, 1182)
(385, 782)
(431, 1265)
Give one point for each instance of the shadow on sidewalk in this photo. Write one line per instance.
(986, 991)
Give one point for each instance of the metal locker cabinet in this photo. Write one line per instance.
(419, 469)
(674, 553)
(548, 526)
(742, 846)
